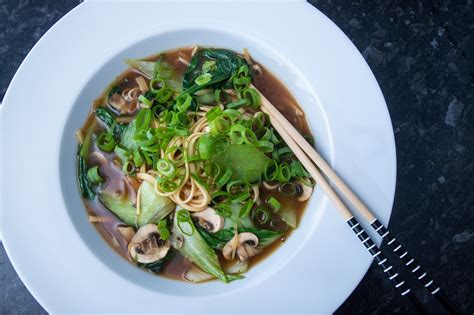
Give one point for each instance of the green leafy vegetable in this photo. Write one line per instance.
(246, 162)
(122, 208)
(86, 144)
(145, 67)
(108, 119)
(195, 248)
(153, 207)
(85, 185)
(218, 65)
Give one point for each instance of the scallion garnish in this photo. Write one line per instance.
(163, 230)
(106, 142)
(274, 204)
(94, 176)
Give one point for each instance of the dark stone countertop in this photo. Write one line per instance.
(422, 54)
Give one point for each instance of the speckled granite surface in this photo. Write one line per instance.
(422, 53)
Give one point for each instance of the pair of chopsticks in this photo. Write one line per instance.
(311, 160)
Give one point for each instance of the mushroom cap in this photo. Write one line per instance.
(147, 246)
(306, 193)
(210, 220)
(245, 244)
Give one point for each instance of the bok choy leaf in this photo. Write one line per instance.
(189, 243)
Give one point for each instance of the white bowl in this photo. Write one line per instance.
(59, 255)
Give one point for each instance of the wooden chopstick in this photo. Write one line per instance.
(307, 156)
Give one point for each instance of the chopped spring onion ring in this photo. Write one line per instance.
(203, 79)
(288, 189)
(244, 211)
(261, 215)
(213, 113)
(106, 142)
(128, 167)
(184, 222)
(165, 167)
(156, 84)
(221, 97)
(183, 102)
(271, 171)
(163, 230)
(252, 96)
(224, 178)
(274, 204)
(220, 197)
(163, 95)
(94, 176)
(284, 173)
(145, 101)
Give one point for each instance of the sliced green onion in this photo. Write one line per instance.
(224, 178)
(271, 170)
(265, 146)
(244, 211)
(284, 173)
(213, 113)
(105, 142)
(219, 197)
(224, 210)
(183, 102)
(142, 120)
(165, 167)
(236, 134)
(128, 168)
(236, 186)
(184, 222)
(220, 125)
(284, 151)
(249, 136)
(252, 96)
(163, 230)
(203, 79)
(287, 189)
(145, 101)
(238, 103)
(261, 215)
(137, 158)
(163, 95)
(123, 154)
(157, 84)
(94, 176)
(274, 204)
(221, 97)
(266, 134)
(298, 170)
(238, 198)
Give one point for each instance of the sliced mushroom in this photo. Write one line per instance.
(142, 84)
(147, 245)
(210, 220)
(127, 232)
(248, 243)
(230, 248)
(306, 192)
(117, 101)
(245, 245)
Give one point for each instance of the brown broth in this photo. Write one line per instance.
(117, 183)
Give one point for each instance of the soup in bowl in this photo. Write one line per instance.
(181, 171)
